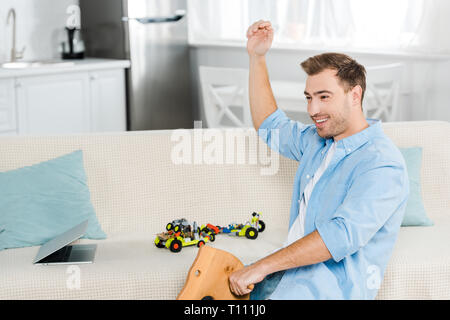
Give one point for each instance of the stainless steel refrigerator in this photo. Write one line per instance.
(152, 34)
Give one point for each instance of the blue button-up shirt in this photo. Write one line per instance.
(357, 207)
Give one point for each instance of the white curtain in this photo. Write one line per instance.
(375, 25)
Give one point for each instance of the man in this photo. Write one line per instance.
(350, 189)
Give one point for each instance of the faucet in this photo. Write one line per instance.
(14, 53)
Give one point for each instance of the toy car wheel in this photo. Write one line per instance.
(200, 243)
(176, 245)
(177, 228)
(159, 244)
(212, 237)
(169, 226)
(261, 226)
(251, 233)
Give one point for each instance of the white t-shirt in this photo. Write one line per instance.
(297, 230)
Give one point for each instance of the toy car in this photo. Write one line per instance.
(250, 229)
(256, 222)
(209, 231)
(180, 233)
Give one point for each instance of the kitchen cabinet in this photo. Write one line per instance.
(53, 104)
(89, 97)
(107, 96)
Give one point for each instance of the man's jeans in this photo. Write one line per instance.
(264, 289)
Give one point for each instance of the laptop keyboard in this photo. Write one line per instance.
(61, 255)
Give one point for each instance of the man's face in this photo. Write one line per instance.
(327, 100)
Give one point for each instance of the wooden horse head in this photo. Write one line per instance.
(208, 276)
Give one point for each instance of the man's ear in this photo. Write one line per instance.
(356, 94)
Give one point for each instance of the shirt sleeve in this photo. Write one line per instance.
(284, 135)
(371, 200)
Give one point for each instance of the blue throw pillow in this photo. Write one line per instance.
(415, 214)
(41, 201)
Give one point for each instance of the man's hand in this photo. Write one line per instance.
(242, 281)
(260, 36)
(262, 102)
(304, 252)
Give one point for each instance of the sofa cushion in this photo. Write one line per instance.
(415, 214)
(419, 265)
(41, 201)
(129, 266)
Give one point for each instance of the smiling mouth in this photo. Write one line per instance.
(320, 122)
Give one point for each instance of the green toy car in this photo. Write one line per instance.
(180, 233)
(176, 243)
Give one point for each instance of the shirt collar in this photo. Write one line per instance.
(353, 142)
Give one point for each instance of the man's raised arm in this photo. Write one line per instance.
(262, 101)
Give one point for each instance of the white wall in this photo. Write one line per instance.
(40, 24)
(426, 94)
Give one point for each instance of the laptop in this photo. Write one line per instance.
(57, 250)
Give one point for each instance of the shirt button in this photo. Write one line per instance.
(349, 149)
(307, 176)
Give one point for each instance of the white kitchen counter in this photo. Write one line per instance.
(86, 64)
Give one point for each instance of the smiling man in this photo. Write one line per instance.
(350, 189)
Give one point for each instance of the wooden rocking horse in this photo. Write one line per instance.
(208, 276)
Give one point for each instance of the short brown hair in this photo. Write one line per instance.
(349, 72)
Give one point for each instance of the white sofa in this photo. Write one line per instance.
(136, 189)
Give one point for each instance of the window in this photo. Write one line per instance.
(375, 25)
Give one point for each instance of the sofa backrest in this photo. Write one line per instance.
(137, 184)
(434, 138)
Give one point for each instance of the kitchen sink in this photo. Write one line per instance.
(35, 64)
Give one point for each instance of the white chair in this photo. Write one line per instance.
(382, 96)
(291, 99)
(226, 100)
(225, 97)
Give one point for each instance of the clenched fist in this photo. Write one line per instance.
(260, 36)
